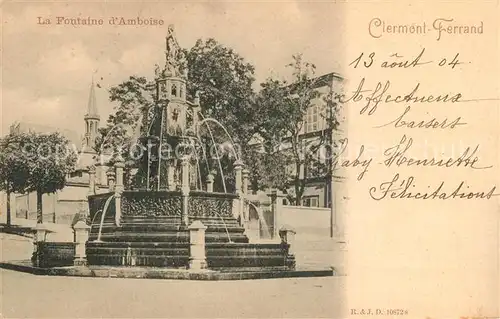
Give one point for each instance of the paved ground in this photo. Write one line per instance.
(29, 296)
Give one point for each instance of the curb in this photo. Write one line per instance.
(159, 273)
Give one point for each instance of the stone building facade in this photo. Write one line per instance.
(318, 183)
(62, 206)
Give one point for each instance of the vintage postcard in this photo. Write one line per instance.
(252, 159)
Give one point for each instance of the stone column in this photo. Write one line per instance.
(111, 180)
(245, 182)
(91, 180)
(171, 177)
(244, 190)
(119, 165)
(195, 113)
(81, 237)
(185, 189)
(98, 176)
(210, 182)
(238, 167)
(197, 256)
(237, 203)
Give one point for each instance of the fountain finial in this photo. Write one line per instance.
(175, 59)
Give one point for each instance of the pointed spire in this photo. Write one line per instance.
(92, 104)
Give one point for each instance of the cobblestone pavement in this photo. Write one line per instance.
(29, 296)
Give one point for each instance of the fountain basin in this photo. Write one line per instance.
(152, 232)
(157, 216)
(176, 254)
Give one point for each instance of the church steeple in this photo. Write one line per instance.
(92, 119)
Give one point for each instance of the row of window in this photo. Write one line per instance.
(310, 201)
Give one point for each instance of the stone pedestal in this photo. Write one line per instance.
(287, 235)
(41, 232)
(197, 256)
(238, 203)
(40, 236)
(81, 237)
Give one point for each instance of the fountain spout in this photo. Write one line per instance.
(261, 217)
(104, 210)
(225, 227)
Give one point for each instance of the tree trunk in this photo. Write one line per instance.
(8, 206)
(39, 212)
(299, 189)
(298, 195)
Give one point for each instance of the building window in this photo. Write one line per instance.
(310, 201)
(76, 174)
(312, 119)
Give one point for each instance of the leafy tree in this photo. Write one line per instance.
(133, 97)
(224, 81)
(286, 106)
(267, 170)
(14, 169)
(49, 160)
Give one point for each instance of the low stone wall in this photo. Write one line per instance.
(47, 217)
(65, 213)
(52, 254)
(67, 210)
(313, 244)
(307, 221)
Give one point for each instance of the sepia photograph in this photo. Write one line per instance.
(250, 159)
(164, 160)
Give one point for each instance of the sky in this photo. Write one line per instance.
(47, 69)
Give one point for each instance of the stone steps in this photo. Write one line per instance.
(176, 254)
(177, 236)
(138, 228)
(152, 233)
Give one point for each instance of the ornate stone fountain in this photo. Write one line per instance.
(151, 224)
